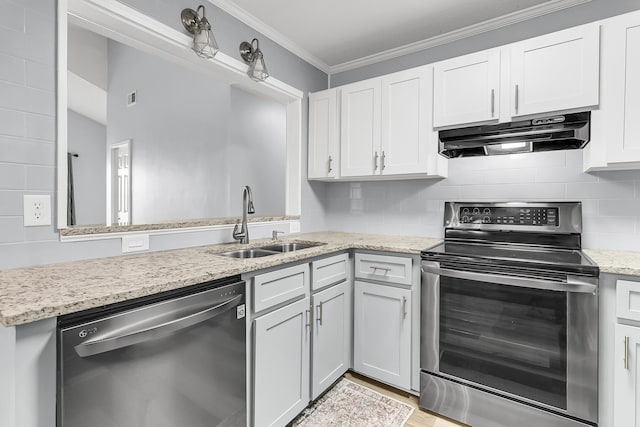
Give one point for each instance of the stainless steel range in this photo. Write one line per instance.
(510, 317)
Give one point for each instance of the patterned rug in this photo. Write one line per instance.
(350, 404)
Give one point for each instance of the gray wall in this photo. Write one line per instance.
(577, 15)
(195, 141)
(27, 128)
(88, 139)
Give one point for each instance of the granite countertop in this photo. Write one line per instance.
(616, 262)
(36, 293)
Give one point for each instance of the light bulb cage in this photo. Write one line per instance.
(255, 59)
(204, 42)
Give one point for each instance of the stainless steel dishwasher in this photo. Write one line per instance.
(176, 359)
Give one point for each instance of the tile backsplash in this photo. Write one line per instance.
(610, 200)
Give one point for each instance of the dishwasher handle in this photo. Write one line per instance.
(106, 344)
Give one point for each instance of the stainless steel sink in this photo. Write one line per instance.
(290, 246)
(248, 253)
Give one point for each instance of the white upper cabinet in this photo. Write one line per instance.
(466, 89)
(615, 130)
(408, 144)
(323, 135)
(360, 128)
(557, 71)
(386, 127)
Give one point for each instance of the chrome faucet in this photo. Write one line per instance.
(241, 232)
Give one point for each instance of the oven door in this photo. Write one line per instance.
(530, 339)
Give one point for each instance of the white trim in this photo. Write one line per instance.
(115, 20)
(163, 231)
(271, 33)
(472, 30)
(86, 99)
(61, 116)
(462, 33)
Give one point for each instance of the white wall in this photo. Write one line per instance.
(610, 200)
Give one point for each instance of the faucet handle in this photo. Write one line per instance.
(274, 234)
(237, 231)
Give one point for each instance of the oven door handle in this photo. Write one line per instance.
(573, 283)
(159, 330)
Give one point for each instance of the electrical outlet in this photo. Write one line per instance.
(37, 210)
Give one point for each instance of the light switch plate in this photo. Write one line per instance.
(37, 210)
(135, 243)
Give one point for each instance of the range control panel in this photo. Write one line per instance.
(536, 216)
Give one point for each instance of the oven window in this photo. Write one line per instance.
(505, 337)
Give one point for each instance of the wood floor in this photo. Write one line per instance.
(419, 418)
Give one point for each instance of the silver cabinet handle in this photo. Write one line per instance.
(376, 268)
(308, 312)
(626, 353)
(329, 166)
(159, 330)
(404, 308)
(382, 166)
(517, 97)
(319, 307)
(375, 161)
(493, 102)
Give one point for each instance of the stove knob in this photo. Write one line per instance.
(476, 211)
(486, 211)
(465, 219)
(465, 211)
(486, 220)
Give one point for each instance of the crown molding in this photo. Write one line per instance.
(270, 32)
(471, 30)
(492, 24)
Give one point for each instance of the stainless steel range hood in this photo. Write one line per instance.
(561, 132)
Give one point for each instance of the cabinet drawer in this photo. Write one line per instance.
(628, 300)
(329, 271)
(279, 286)
(385, 268)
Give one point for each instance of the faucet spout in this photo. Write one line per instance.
(241, 232)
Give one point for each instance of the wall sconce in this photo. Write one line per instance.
(257, 68)
(204, 44)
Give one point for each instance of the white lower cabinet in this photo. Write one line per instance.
(281, 364)
(626, 394)
(382, 333)
(302, 348)
(331, 338)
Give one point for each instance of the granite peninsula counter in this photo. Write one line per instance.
(42, 292)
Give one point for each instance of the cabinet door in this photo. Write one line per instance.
(281, 364)
(558, 71)
(323, 134)
(626, 394)
(407, 139)
(330, 337)
(360, 129)
(466, 89)
(382, 333)
(621, 81)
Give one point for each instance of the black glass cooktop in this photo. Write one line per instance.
(516, 255)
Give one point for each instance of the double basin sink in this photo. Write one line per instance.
(272, 249)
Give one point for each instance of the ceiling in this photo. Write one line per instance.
(336, 35)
